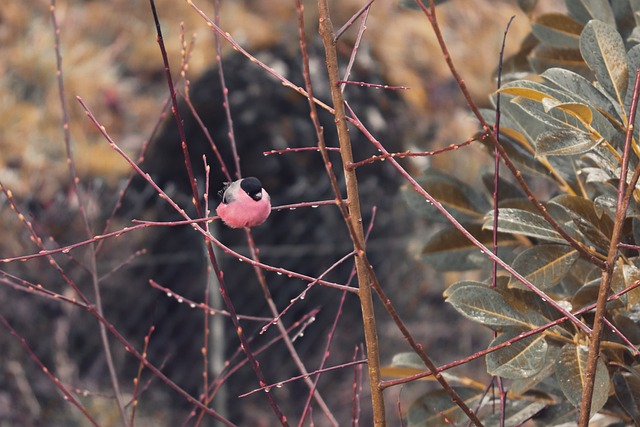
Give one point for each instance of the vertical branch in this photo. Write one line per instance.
(225, 93)
(198, 205)
(115, 385)
(251, 243)
(176, 112)
(207, 300)
(354, 213)
(624, 196)
(496, 211)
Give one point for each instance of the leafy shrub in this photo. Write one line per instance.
(564, 128)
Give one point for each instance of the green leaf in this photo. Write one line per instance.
(525, 160)
(581, 90)
(532, 90)
(508, 190)
(523, 385)
(588, 294)
(627, 390)
(550, 117)
(571, 371)
(604, 161)
(596, 228)
(464, 284)
(557, 30)
(553, 96)
(603, 50)
(634, 36)
(544, 265)
(585, 10)
(517, 412)
(520, 120)
(436, 409)
(631, 274)
(517, 65)
(596, 175)
(626, 18)
(580, 111)
(627, 326)
(517, 221)
(406, 364)
(484, 305)
(606, 205)
(459, 199)
(633, 56)
(408, 360)
(544, 57)
(536, 311)
(520, 359)
(579, 98)
(562, 414)
(635, 7)
(579, 274)
(563, 142)
(516, 140)
(450, 250)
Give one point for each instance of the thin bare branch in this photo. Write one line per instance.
(624, 196)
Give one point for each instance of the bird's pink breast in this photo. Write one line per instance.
(244, 211)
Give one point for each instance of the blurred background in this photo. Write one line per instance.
(111, 59)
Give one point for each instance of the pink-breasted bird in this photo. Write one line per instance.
(244, 203)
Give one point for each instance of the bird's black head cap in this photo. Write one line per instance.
(253, 187)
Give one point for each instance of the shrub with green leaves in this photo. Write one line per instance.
(564, 128)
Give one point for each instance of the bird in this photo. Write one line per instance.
(244, 203)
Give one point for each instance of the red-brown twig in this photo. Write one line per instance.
(230, 369)
(200, 305)
(302, 295)
(136, 381)
(67, 394)
(75, 178)
(297, 150)
(302, 323)
(205, 319)
(405, 154)
(418, 189)
(288, 341)
(225, 93)
(218, 272)
(22, 285)
(391, 383)
(372, 85)
(351, 212)
(624, 196)
(354, 51)
(334, 326)
(352, 217)
(496, 210)
(363, 10)
(279, 384)
(584, 252)
(90, 308)
(357, 389)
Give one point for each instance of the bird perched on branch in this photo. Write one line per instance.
(244, 203)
